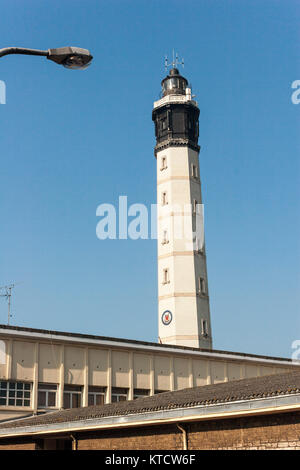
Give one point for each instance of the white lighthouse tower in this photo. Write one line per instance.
(183, 301)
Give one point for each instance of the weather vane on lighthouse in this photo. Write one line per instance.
(175, 62)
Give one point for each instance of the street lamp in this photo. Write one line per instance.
(69, 57)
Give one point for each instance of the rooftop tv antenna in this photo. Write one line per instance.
(7, 293)
(175, 62)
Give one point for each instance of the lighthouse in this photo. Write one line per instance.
(183, 296)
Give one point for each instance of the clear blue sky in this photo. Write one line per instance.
(70, 141)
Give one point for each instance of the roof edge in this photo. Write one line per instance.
(267, 405)
(122, 342)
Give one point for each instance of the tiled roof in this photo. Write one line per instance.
(82, 337)
(228, 392)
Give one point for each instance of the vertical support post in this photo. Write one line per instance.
(9, 359)
(131, 393)
(191, 375)
(172, 381)
(209, 373)
(152, 376)
(226, 371)
(109, 377)
(34, 402)
(61, 378)
(85, 397)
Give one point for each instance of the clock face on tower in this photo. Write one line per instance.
(166, 317)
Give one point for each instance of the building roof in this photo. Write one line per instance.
(121, 342)
(222, 393)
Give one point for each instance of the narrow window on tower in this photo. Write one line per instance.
(164, 199)
(166, 278)
(201, 285)
(163, 163)
(204, 328)
(164, 124)
(195, 206)
(194, 171)
(165, 237)
(199, 247)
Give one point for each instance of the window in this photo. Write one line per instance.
(119, 394)
(164, 199)
(194, 171)
(72, 396)
(195, 206)
(201, 285)
(165, 237)
(199, 246)
(160, 391)
(164, 124)
(140, 393)
(47, 395)
(15, 393)
(96, 396)
(163, 163)
(166, 278)
(204, 328)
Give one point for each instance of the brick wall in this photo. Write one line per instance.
(278, 431)
(17, 444)
(142, 438)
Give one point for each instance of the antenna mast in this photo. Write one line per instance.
(175, 62)
(8, 295)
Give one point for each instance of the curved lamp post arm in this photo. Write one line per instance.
(22, 50)
(69, 57)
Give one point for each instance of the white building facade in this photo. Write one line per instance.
(42, 370)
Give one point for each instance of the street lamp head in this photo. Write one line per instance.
(71, 57)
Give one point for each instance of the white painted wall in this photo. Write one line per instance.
(185, 266)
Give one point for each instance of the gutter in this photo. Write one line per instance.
(251, 407)
(184, 436)
(74, 442)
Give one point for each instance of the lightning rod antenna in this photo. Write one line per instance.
(175, 62)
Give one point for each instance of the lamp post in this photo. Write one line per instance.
(69, 57)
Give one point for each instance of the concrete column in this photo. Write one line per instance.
(130, 393)
(109, 377)
(152, 376)
(34, 402)
(9, 359)
(226, 372)
(61, 378)
(191, 375)
(172, 381)
(85, 393)
(208, 373)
